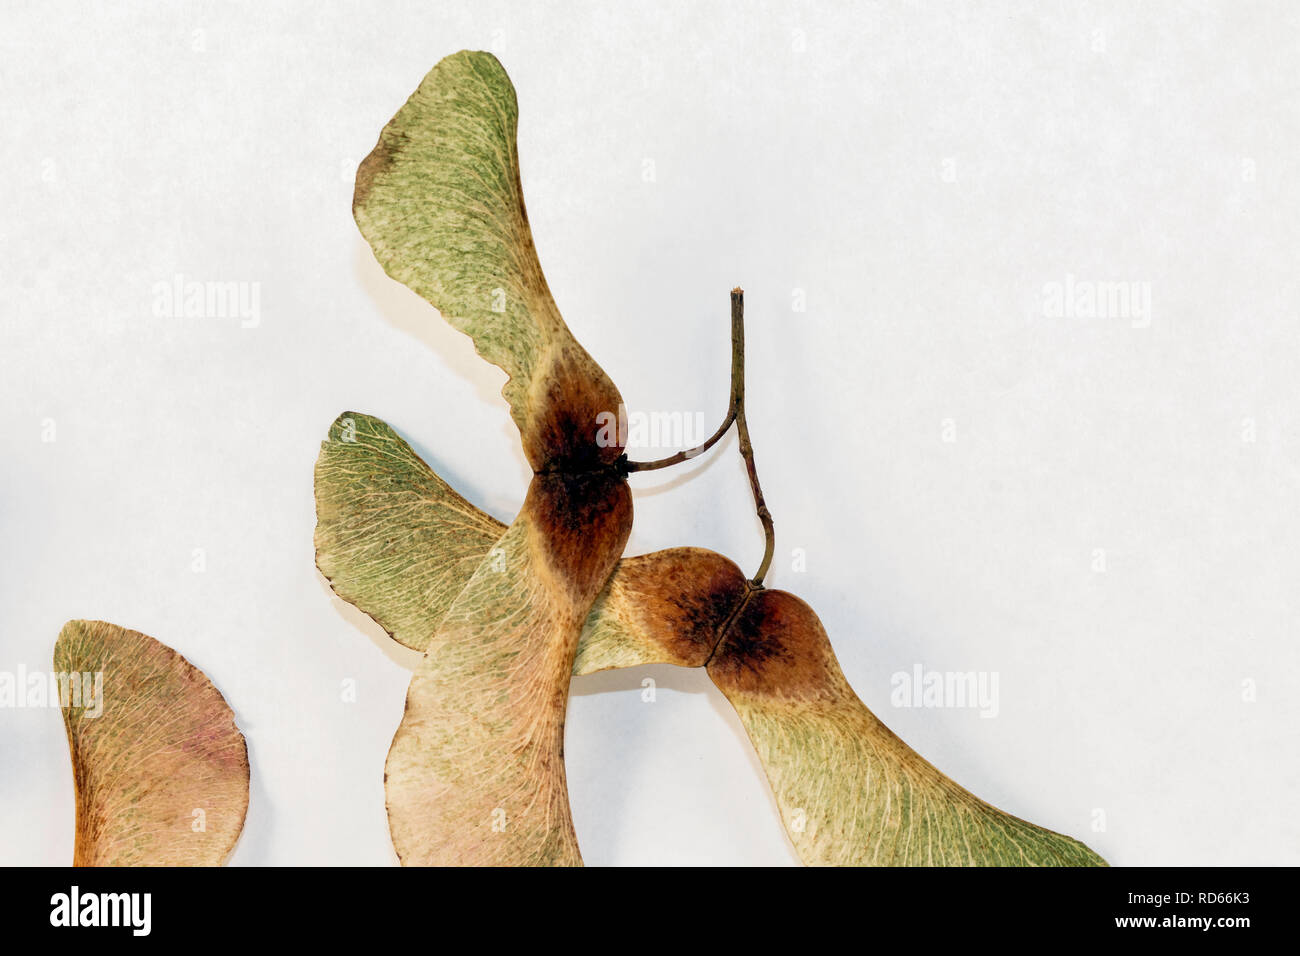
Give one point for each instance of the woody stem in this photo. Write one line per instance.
(735, 415)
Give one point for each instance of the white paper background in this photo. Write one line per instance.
(920, 173)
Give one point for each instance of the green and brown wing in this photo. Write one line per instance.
(393, 538)
(161, 770)
(850, 791)
(440, 202)
(476, 771)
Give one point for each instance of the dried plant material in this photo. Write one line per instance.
(665, 607)
(160, 768)
(439, 201)
(850, 791)
(476, 772)
(399, 543)
(392, 537)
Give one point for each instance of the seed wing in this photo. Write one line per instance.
(161, 770)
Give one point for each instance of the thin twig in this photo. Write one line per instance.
(742, 429)
(686, 455)
(733, 404)
(736, 416)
